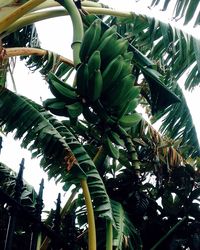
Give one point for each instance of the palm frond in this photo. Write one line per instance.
(49, 139)
(173, 51)
(49, 62)
(28, 37)
(125, 234)
(179, 9)
(177, 124)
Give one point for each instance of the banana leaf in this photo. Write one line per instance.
(184, 9)
(170, 48)
(177, 124)
(174, 53)
(50, 139)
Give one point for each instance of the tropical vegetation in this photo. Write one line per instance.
(139, 187)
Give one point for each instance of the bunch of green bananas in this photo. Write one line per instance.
(105, 90)
(105, 72)
(104, 78)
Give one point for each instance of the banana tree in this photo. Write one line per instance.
(116, 67)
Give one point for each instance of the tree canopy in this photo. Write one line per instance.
(91, 134)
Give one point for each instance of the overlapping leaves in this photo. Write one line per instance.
(177, 124)
(173, 53)
(49, 139)
(172, 50)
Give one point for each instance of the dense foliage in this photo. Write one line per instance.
(144, 185)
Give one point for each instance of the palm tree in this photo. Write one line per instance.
(112, 150)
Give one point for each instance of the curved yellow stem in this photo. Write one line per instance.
(90, 216)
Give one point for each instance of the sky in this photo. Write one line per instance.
(32, 85)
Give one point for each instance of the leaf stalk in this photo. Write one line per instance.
(90, 216)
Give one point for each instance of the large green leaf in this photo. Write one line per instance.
(158, 90)
(177, 124)
(174, 52)
(51, 140)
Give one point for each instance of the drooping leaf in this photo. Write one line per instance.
(173, 60)
(49, 138)
(166, 46)
(177, 124)
(161, 96)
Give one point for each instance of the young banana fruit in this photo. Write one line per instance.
(112, 72)
(90, 40)
(81, 79)
(56, 107)
(95, 86)
(62, 90)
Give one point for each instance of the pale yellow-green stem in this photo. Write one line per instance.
(109, 12)
(32, 18)
(77, 24)
(52, 3)
(19, 12)
(109, 235)
(42, 15)
(90, 216)
(25, 51)
(39, 240)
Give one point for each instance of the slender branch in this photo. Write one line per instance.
(12, 78)
(90, 216)
(19, 12)
(77, 28)
(169, 233)
(23, 51)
